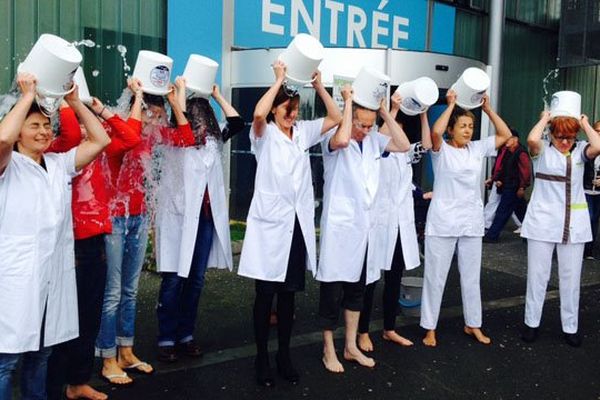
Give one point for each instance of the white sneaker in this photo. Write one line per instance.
(517, 231)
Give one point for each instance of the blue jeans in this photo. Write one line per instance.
(125, 251)
(509, 203)
(179, 297)
(593, 202)
(33, 374)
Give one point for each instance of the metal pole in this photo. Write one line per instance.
(227, 31)
(495, 50)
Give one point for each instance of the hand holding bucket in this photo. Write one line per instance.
(470, 88)
(418, 95)
(565, 104)
(302, 57)
(200, 74)
(154, 72)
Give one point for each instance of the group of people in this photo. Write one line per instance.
(74, 225)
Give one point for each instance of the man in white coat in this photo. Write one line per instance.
(351, 157)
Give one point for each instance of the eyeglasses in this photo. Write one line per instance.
(569, 139)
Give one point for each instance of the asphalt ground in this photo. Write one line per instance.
(459, 368)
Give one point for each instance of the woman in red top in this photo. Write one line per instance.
(72, 363)
(126, 246)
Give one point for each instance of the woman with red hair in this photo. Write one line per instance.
(557, 218)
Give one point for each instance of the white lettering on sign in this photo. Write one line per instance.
(355, 27)
(357, 19)
(335, 8)
(267, 9)
(313, 25)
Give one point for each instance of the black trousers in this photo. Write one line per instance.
(336, 295)
(72, 362)
(391, 294)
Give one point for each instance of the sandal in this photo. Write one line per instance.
(111, 379)
(138, 367)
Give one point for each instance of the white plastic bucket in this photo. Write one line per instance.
(370, 87)
(302, 58)
(53, 61)
(84, 91)
(411, 288)
(565, 104)
(471, 87)
(154, 71)
(200, 73)
(418, 95)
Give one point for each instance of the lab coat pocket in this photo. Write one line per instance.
(267, 206)
(16, 258)
(341, 210)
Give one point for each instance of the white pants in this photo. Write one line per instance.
(438, 257)
(539, 265)
(489, 211)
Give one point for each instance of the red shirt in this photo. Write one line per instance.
(134, 168)
(91, 192)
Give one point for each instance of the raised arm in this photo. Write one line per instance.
(176, 109)
(396, 100)
(97, 138)
(593, 150)
(264, 105)
(334, 115)
(440, 126)
(180, 85)
(227, 108)
(341, 138)
(399, 142)
(425, 132)
(135, 85)
(502, 130)
(10, 126)
(534, 139)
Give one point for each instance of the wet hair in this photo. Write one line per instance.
(281, 97)
(35, 109)
(150, 99)
(457, 113)
(202, 119)
(566, 126)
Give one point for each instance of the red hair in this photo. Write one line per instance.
(565, 126)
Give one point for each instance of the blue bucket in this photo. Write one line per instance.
(411, 288)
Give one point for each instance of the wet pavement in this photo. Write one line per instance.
(459, 368)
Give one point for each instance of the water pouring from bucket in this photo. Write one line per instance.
(82, 86)
(154, 71)
(418, 95)
(53, 61)
(470, 88)
(370, 87)
(200, 74)
(565, 104)
(302, 58)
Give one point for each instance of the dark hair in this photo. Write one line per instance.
(281, 97)
(203, 120)
(149, 99)
(34, 109)
(457, 113)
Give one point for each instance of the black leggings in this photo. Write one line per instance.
(391, 294)
(285, 321)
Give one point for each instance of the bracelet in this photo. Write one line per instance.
(101, 111)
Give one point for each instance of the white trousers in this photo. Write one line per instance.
(489, 211)
(438, 257)
(539, 265)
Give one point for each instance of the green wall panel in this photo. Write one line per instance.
(471, 35)
(585, 81)
(136, 24)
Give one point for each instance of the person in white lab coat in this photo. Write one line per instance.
(192, 229)
(280, 235)
(557, 218)
(38, 295)
(455, 216)
(396, 229)
(351, 158)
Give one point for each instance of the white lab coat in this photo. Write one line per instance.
(282, 189)
(185, 173)
(456, 207)
(546, 219)
(349, 220)
(37, 263)
(394, 212)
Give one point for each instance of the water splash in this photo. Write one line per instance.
(7, 101)
(123, 52)
(95, 73)
(550, 78)
(85, 42)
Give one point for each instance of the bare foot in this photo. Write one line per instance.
(331, 362)
(477, 334)
(357, 356)
(127, 359)
(113, 373)
(364, 342)
(392, 336)
(84, 392)
(429, 339)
